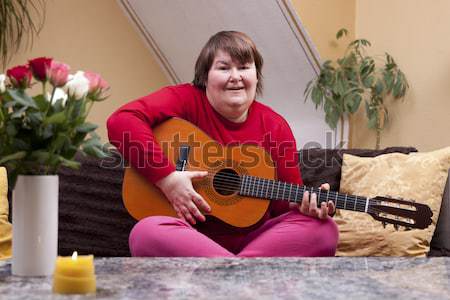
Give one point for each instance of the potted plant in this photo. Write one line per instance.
(343, 84)
(38, 135)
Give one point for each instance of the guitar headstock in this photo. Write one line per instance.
(400, 212)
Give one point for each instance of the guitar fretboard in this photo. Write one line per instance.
(276, 190)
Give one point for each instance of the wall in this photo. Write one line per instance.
(322, 19)
(415, 33)
(97, 36)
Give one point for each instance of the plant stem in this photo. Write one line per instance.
(341, 144)
(378, 130)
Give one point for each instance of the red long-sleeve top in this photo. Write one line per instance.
(130, 130)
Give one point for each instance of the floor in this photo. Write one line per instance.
(264, 278)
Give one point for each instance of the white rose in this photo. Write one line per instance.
(77, 86)
(2, 83)
(59, 94)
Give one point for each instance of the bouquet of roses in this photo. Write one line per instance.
(41, 133)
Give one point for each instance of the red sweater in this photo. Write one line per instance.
(263, 127)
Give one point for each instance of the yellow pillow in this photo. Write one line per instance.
(5, 226)
(415, 176)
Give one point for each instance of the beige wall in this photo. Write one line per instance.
(416, 33)
(97, 36)
(322, 19)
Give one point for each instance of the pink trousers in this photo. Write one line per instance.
(290, 234)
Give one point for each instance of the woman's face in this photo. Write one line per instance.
(231, 86)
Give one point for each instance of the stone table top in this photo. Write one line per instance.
(255, 278)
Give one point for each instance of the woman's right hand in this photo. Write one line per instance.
(177, 187)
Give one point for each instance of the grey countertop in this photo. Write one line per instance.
(256, 278)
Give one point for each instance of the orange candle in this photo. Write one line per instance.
(74, 275)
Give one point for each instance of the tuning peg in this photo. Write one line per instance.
(396, 227)
(407, 228)
(384, 224)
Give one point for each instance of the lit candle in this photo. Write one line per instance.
(74, 275)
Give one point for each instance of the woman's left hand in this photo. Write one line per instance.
(309, 205)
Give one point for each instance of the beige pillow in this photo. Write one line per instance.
(415, 176)
(5, 226)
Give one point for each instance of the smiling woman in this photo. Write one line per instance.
(221, 102)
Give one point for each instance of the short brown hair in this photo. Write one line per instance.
(238, 45)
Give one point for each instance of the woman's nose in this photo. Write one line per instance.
(235, 74)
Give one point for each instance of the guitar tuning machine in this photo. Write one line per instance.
(396, 227)
(384, 224)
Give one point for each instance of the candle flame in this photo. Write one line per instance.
(74, 255)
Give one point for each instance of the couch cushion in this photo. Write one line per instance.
(418, 176)
(324, 165)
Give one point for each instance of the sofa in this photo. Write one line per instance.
(93, 219)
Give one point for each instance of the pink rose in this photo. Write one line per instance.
(97, 86)
(20, 76)
(40, 67)
(58, 74)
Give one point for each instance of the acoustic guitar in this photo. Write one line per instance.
(241, 183)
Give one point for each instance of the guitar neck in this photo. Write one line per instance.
(277, 190)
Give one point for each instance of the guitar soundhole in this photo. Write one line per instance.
(226, 182)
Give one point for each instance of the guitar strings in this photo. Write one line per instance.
(226, 180)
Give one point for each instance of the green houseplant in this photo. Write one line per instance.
(343, 84)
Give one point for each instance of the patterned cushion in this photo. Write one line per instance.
(418, 176)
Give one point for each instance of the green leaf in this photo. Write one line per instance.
(16, 156)
(36, 118)
(332, 119)
(94, 151)
(86, 127)
(40, 156)
(379, 87)
(69, 163)
(11, 129)
(58, 106)
(57, 118)
(316, 96)
(388, 78)
(368, 81)
(19, 113)
(342, 32)
(58, 143)
(22, 98)
(356, 102)
(41, 102)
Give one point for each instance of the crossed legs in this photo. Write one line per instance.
(291, 234)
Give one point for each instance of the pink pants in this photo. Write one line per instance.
(291, 234)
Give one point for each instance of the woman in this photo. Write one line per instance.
(221, 102)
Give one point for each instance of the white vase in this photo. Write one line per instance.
(35, 225)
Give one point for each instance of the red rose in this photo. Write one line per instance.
(20, 76)
(40, 66)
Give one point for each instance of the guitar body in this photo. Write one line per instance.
(143, 199)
